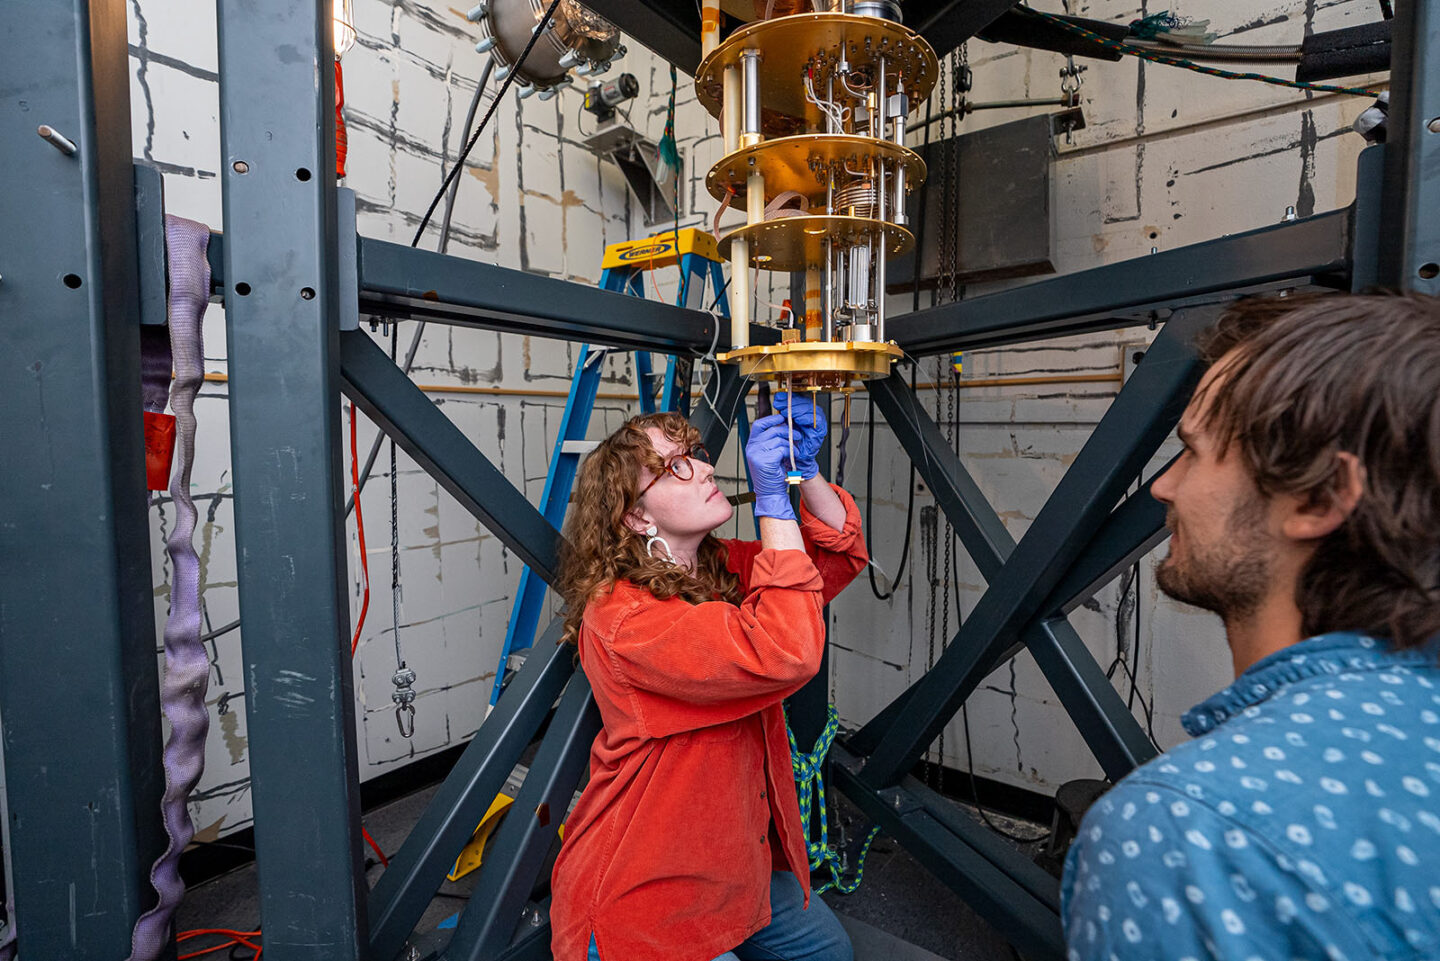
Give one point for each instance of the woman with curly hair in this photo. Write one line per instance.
(686, 843)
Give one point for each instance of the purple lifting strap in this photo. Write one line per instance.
(187, 668)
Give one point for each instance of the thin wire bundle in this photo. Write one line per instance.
(1182, 62)
(470, 145)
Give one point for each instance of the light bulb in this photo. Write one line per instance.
(344, 13)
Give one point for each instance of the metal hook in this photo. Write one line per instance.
(405, 714)
(404, 698)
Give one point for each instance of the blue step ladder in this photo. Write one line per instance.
(623, 271)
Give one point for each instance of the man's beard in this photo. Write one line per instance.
(1229, 578)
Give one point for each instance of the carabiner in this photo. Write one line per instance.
(404, 714)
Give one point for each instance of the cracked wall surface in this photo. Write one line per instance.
(1168, 158)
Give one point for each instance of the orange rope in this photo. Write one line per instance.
(236, 937)
(384, 861)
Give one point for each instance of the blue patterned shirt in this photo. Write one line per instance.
(1302, 822)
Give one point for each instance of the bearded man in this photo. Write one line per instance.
(1303, 820)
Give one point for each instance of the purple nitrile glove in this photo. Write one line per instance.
(811, 430)
(768, 454)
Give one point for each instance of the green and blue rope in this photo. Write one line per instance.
(1176, 61)
(810, 786)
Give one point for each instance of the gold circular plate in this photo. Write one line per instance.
(795, 243)
(799, 163)
(789, 43)
(816, 365)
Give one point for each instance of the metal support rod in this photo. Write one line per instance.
(56, 139)
(1134, 529)
(979, 528)
(518, 851)
(418, 869)
(732, 108)
(1410, 243)
(1036, 882)
(971, 106)
(1311, 250)
(830, 126)
(401, 409)
(82, 755)
(828, 310)
(750, 134)
(1136, 423)
(277, 113)
(990, 888)
(741, 290)
(1091, 701)
(397, 280)
(1116, 739)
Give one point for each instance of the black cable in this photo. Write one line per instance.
(441, 248)
(720, 293)
(480, 86)
(1120, 662)
(219, 631)
(921, 208)
(959, 622)
(975, 795)
(869, 513)
(1135, 648)
(504, 86)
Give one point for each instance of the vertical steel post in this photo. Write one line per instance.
(277, 112)
(78, 686)
(1409, 257)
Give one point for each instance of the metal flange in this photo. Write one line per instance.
(800, 163)
(791, 44)
(795, 243)
(815, 365)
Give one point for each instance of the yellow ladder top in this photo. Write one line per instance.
(661, 250)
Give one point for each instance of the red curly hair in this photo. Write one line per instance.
(601, 549)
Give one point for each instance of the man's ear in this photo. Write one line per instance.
(1324, 511)
(637, 520)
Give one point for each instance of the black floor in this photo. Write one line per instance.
(899, 913)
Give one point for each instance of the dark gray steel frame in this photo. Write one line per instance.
(289, 363)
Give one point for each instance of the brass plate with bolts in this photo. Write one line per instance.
(799, 163)
(789, 43)
(815, 365)
(795, 243)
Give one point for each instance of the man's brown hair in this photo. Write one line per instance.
(1308, 377)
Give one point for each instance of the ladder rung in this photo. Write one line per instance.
(578, 446)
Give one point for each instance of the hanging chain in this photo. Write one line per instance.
(942, 179)
(954, 83)
(962, 82)
(952, 428)
(404, 677)
(962, 85)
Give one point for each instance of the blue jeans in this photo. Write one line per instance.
(793, 934)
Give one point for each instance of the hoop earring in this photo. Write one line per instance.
(652, 534)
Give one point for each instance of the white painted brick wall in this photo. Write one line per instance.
(1211, 157)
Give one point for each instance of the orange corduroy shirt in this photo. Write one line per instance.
(691, 801)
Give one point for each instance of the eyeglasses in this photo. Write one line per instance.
(680, 466)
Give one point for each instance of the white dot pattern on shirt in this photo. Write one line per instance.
(1296, 744)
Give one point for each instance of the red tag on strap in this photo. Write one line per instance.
(159, 449)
